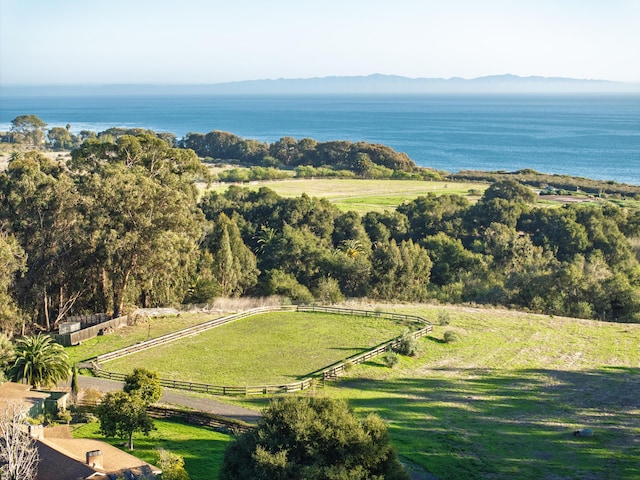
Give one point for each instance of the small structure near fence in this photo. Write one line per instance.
(78, 329)
(330, 373)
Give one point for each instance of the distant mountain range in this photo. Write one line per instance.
(378, 83)
(369, 84)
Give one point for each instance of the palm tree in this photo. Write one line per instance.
(39, 361)
(352, 247)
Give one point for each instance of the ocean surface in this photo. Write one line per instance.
(595, 136)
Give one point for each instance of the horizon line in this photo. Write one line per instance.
(327, 77)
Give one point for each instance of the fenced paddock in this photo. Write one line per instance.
(421, 327)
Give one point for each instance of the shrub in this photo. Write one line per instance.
(285, 284)
(444, 318)
(390, 359)
(451, 336)
(313, 438)
(347, 366)
(407, 345)
(328, 291)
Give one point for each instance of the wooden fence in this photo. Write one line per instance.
(186, 332)
(330, 373)
(92, 319)
(79, 336)
(216, 422)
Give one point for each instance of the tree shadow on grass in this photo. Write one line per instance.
(483, 423)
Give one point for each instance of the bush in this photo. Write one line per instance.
(347, 366)
(286, 285)
(328, 291)
(451, 336)
(444, 318)
(407, 345)
(390, 359)
(82, 415)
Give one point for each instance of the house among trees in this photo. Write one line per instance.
(63, 457)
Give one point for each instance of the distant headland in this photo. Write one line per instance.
(366, 84)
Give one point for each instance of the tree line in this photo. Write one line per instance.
(334, 158)
(122, 223)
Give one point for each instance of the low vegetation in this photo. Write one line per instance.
(563, 184)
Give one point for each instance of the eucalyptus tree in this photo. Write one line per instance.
(232, 263)
(28, 129)
(12, 261)
(139, 198)
(39, 204)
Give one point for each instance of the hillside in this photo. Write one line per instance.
(503, 401)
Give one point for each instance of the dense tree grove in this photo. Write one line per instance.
(122, 223)
(365, 159)
(317, 438)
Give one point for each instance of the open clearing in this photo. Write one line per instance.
(364, 195)
(264, 349)
(503, 402)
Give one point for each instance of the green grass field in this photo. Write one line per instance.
(202, 448)
(503, 402)
(271, 348)
(363, 195)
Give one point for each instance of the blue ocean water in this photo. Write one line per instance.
(589, 136)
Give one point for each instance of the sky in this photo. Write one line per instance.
(72, 42)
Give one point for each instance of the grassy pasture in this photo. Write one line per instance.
(270, 348)
(503, 402)
(202, 448)
(363, 195)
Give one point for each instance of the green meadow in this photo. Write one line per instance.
(503, 401)
(363, 195)
(265, 349)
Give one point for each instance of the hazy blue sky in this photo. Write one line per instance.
(210, 41)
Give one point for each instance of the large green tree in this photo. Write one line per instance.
(12, 261)
(231, 263)
(40, 204)
(39, 361)
(315, 439)
(28, 129)
(143, 222)
(122, 414)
